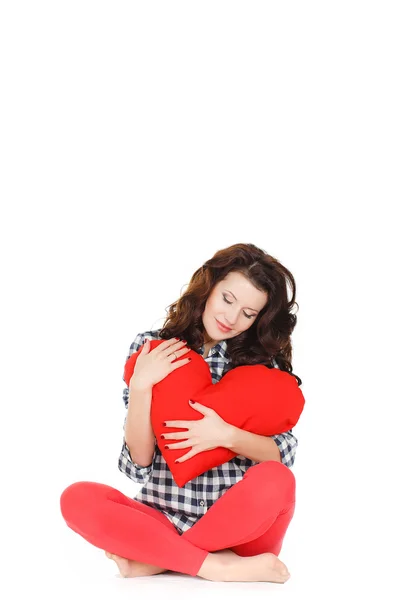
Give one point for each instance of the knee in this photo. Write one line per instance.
(275, 475)
(75, 499)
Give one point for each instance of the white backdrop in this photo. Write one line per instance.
(136, 140)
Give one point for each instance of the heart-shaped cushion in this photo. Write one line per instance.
(252, 397)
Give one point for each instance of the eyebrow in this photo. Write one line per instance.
(225, 290)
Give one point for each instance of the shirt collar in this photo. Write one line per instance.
(220, 348)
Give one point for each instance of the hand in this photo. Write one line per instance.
(206, 434)
(153, 365)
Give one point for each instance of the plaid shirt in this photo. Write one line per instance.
(184, 506)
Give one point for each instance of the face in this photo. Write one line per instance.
(234, 302)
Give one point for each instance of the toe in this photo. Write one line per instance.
(283, 569)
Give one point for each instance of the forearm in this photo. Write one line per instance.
(251, 445)
(139, 434)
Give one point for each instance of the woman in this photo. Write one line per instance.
(227, 524)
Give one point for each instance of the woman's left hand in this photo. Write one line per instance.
(205, 434)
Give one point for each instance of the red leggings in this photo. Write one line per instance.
(250, 518)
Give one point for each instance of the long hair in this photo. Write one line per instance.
(268, 337)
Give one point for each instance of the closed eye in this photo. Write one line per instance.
(248, 316)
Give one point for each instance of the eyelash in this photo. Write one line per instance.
(248, 316)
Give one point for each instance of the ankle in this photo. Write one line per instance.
(214, 568)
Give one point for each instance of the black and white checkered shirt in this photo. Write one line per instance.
(184, 506)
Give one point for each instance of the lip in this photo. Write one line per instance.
(222, 327)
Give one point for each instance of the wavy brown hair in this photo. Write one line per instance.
(268, 338)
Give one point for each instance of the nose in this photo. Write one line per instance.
(231, 319)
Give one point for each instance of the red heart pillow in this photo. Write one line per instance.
(251, 397)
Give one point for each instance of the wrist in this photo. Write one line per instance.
(230, 436)
(135, 386)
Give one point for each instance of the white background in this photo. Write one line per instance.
(137, 139)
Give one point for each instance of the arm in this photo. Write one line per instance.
(137, 419)
(139, 434)
(281, 447)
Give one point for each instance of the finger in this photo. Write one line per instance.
(178, 353)
(180, 363)
(166, 344)
(184, 424)
(175, 346)
(205, 410)
(186, 456)
(185, 444)
(178, 435)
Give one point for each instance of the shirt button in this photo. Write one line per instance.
(201, 502)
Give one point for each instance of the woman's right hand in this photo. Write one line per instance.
(152, 366)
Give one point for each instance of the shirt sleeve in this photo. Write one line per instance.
(287, 444)
(137, 473)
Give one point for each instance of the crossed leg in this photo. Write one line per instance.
(250, 518)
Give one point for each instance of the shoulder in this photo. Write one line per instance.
(151, 334)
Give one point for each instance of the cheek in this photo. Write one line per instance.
(213, 306)
(246, 324)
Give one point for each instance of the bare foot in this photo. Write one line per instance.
(134, 568)
(262, 567)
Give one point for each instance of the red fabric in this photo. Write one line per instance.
(254, 398)
(250, 518)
